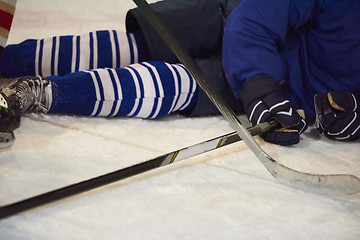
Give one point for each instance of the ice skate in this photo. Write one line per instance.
(6, 139)
(9, 121)
(27, 95)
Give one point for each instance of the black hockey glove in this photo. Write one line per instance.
(337, 115)
(263, 101)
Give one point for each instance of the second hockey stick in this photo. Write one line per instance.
(93, 183)
(337, 184)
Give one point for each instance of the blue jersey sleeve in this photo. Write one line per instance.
(255, 33)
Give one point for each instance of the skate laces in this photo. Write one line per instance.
(28, 95)
(31, 94)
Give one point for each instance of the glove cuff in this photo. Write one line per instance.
(257, 87)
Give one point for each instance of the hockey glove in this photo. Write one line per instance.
(337, 115)
(263, 101)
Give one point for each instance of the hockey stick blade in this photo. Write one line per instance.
(337, 184)
(93, 183)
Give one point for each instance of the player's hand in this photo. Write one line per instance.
(337, 115)
(263, 102)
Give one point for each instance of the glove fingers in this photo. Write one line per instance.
(335, 123)
(301, 127)
(282, 110)
(283, 137)
(344, 101)
(257, 112)
(345, 128)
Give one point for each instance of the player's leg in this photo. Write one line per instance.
(197, 24)
(145, 90)
(60, 55)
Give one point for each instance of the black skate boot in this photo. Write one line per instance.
(28, 95)
(9, 121)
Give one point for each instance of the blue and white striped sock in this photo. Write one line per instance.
(61, 55)
(145, 90)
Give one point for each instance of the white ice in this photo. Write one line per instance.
(224, 194)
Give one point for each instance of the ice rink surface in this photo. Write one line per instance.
(224, 194)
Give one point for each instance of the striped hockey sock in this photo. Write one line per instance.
(7, 10)
(145, 90)
(61, 55)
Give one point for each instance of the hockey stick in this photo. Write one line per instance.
(166, 159)
(317, 183)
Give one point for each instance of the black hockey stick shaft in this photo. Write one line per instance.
(102, 180)
(318, 183)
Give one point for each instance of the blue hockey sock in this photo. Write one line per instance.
(145, 90)
(61, 55)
